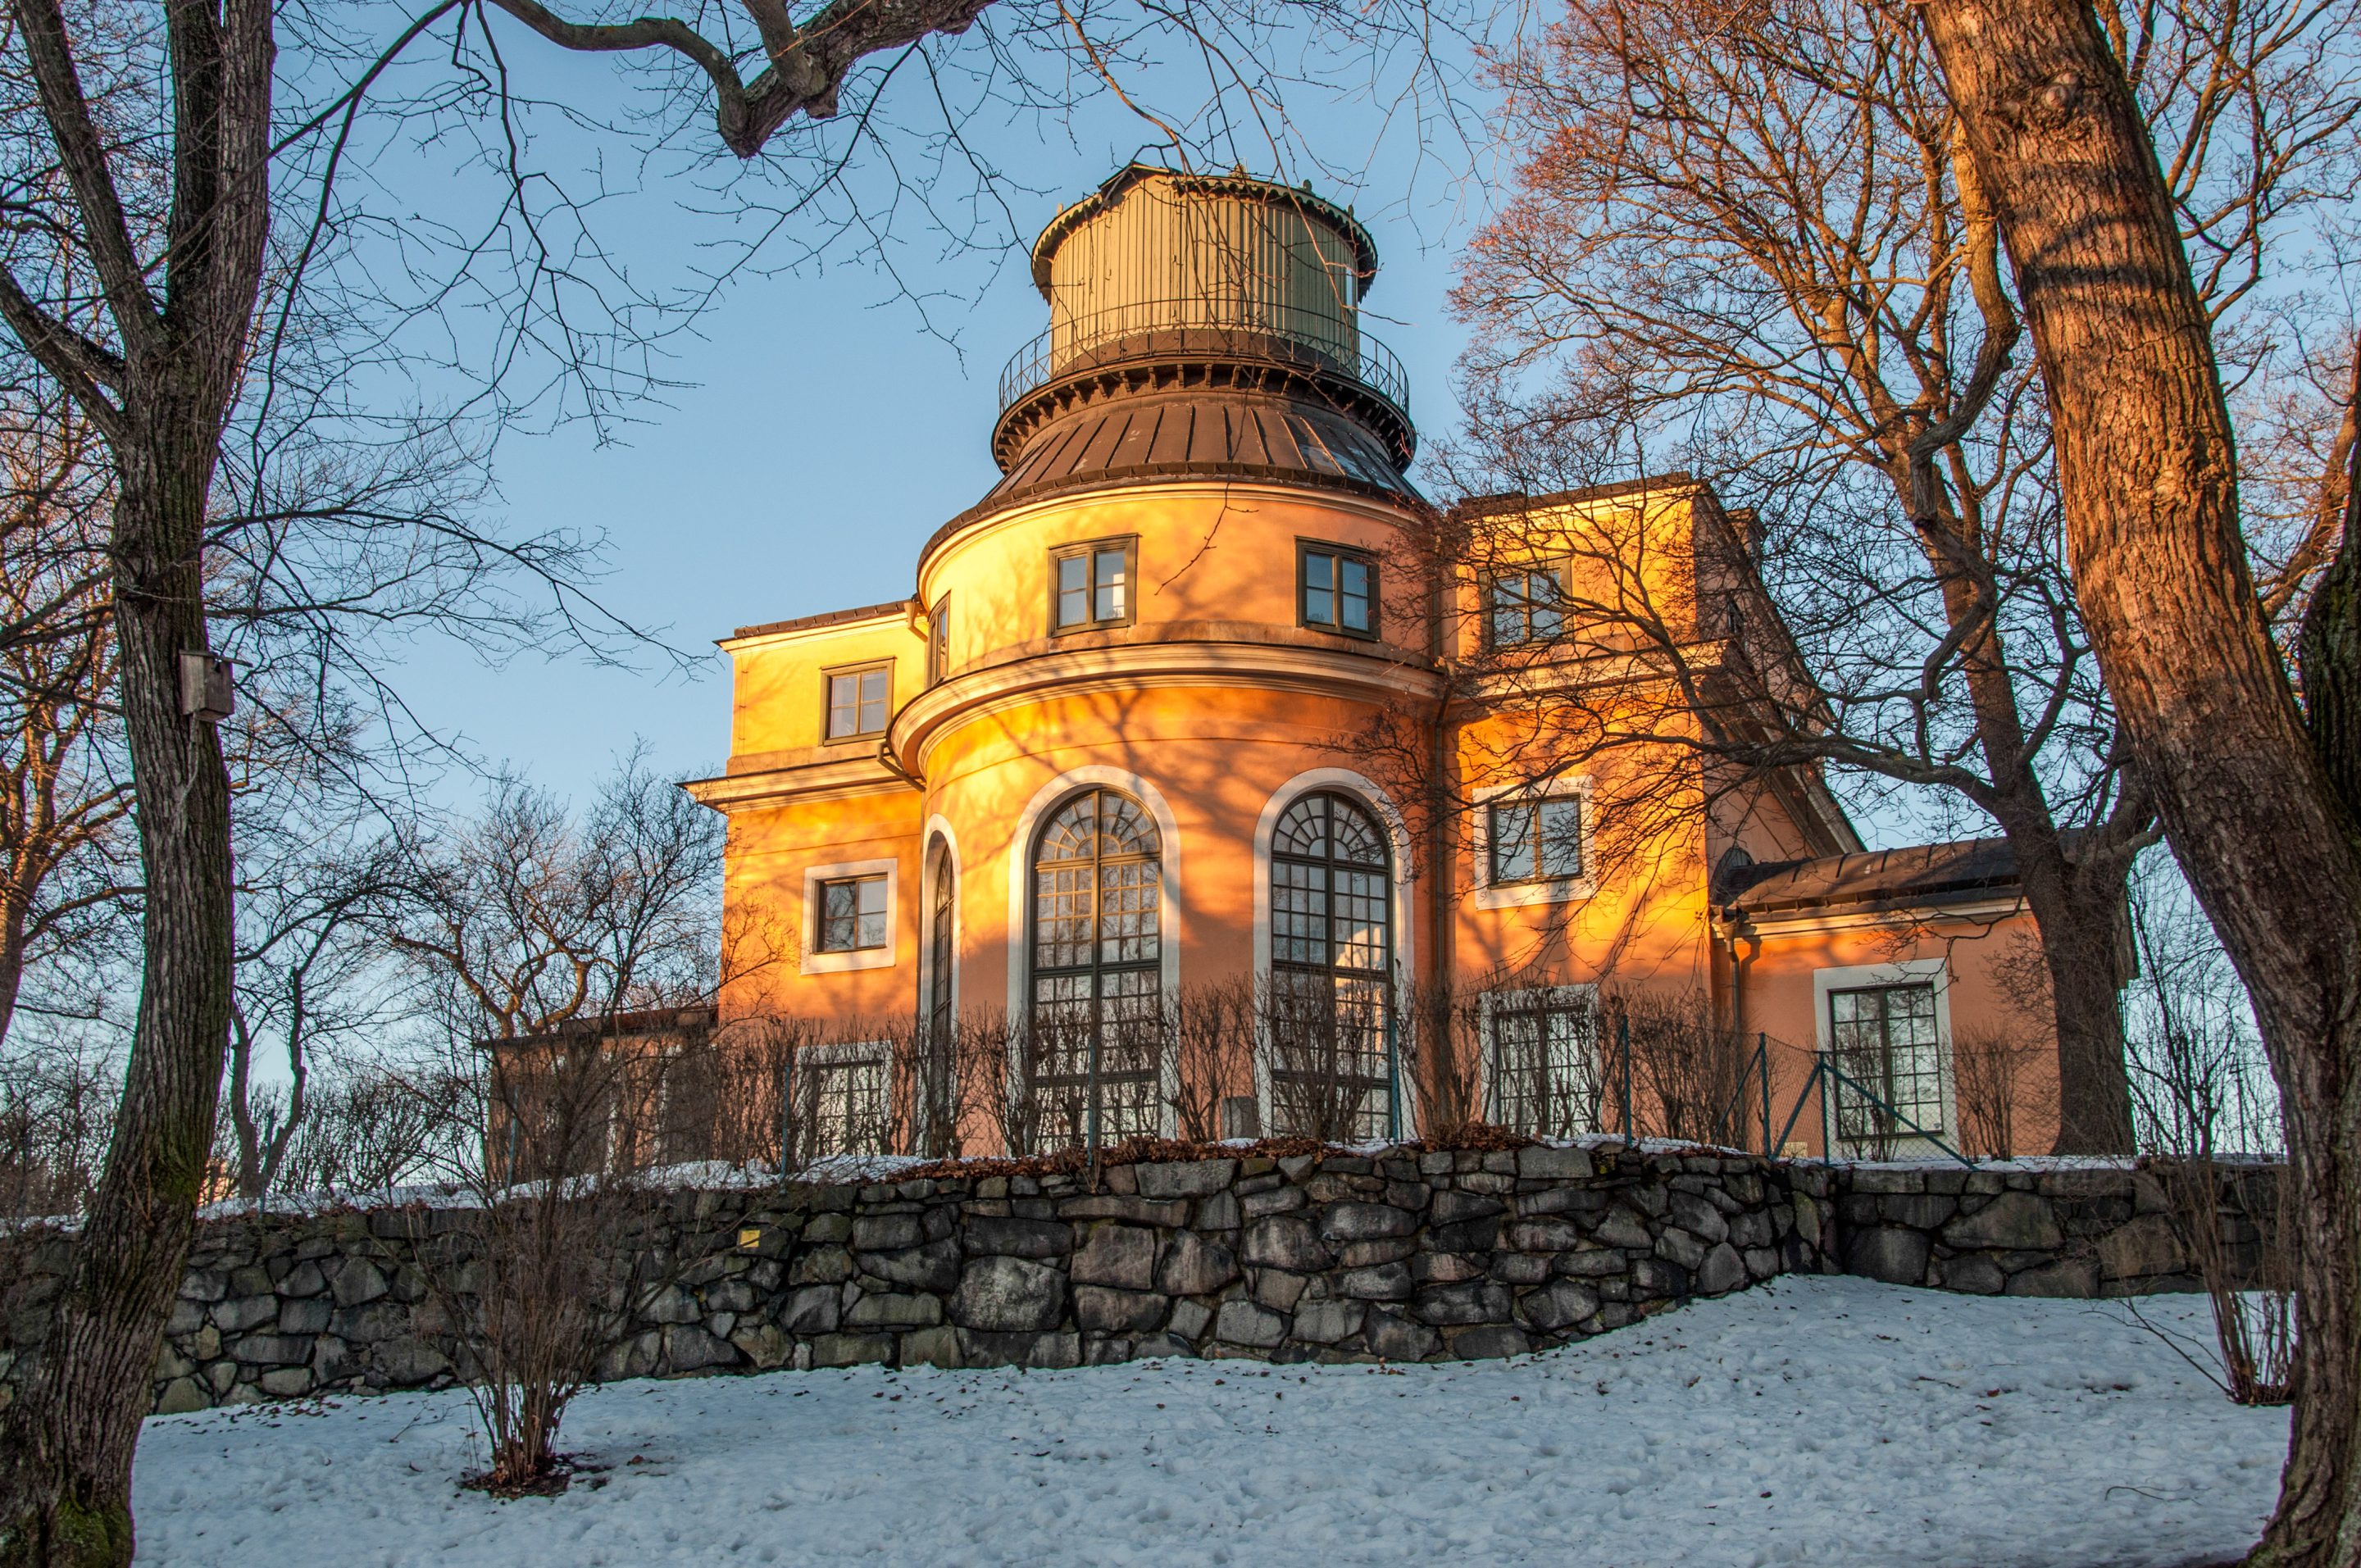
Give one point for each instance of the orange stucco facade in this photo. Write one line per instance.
(1227, 484)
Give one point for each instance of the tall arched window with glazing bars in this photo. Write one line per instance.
(1327, 1032)
(1093, 1051)
(935, 1078)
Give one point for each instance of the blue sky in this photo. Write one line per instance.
(823, 433)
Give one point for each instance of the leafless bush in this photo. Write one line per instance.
(1996, 1074)
(1444, 1065)
(545, 1281)
(2204, 1102)
(1687, 1068)
(56, 1111)
(927, 1083)
(1326, 1051)
(362, 1130)
(994, 1055)
(1208, 1034)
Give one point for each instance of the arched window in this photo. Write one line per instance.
(943, 893)
(1097, 972)
(935, 1079)
(1330, 971)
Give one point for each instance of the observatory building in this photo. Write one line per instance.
(1189, 784)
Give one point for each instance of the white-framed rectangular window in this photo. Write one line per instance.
(851, 916)
(844, 1097)
(1542, 1070)
(1090, 585)
(1525, 605)
(1336, 590)
(1532, 844)
(1886, 1028)
(1535, 840)
(860, 701)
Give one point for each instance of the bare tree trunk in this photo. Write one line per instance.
(67, 1439)
(2148, 478)
(66, 1443)
(2079, 908)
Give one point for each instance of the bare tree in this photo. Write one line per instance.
(526, 919)
(311, 979)
(2260, 794)
(1752, 245)
(57, 1103)
(65, 803)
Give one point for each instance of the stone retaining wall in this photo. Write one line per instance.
(1403, 1254)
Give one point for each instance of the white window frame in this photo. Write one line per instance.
(1899, 971)
(1490, 1004)
(818, 962)
(1490, 894)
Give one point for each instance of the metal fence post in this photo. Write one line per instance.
(1393, 1077)
(786, 1114)
(1762, 1061)
(1092, 1135)
(1623, 1043)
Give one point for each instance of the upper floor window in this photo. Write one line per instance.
(1336, 590)
(853, 914)
(1090, 585)
(938, 640)
(857, 701)
(1535, 840)
(1525, 606)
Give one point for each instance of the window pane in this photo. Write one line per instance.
(1073, 591)
(1512, 843)
(1111, 584)
(840, 917)
(1319, 588)
(843, 705)
(1541, 591)
(872, 906)
(1561, 839)
(1356, 596)
(875, 687)
(938, 644)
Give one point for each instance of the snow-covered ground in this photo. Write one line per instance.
(1813, 1420)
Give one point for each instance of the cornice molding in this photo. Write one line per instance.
(1132, 666)
(815, 781)
(1392, 514)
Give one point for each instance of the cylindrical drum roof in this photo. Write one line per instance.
(1155, 260)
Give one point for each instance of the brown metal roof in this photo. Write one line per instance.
(826, 618)
(1195, 434)
(1961, 871)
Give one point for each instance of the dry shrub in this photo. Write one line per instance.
(1324, 1055)
(1210, 1034)
(547, 1277)
(1444, 1065)
(1994, 1075)
(1687, 1069)
(57, 1113)
(2203, 1103)
(2234, 1223)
